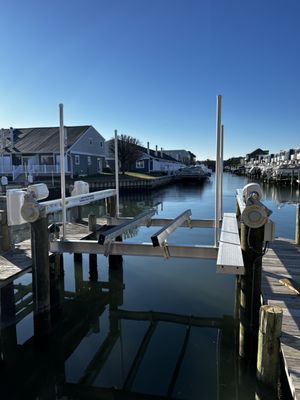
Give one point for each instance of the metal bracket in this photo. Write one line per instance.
(166, 251)
(159, 237)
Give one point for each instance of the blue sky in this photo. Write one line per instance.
(152, 69)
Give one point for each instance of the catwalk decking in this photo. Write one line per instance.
(283, 261)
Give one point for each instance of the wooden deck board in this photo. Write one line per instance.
(283, 261)
(17, 261)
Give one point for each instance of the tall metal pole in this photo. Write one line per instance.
(117, 174)
(221, 170)
(62, 168)
(217, 169)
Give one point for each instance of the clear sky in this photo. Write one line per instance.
(152, 69)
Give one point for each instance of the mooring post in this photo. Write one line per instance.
(268, 355)
(297, 233)
(115, 261)
(92, 222)
(56, 287)
(41, 276)
(252, 246)
(111, 206)
(4, 228)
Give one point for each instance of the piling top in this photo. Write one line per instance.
(270, 319)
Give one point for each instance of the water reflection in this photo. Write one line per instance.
(100, 349)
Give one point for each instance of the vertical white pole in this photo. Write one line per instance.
(217, 171)
(62, 168)
(221, 170)
(117, 175)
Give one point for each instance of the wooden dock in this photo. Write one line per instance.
(16, 262)
(282, 261)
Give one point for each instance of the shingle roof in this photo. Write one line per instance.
(144, 151)
(43, 140)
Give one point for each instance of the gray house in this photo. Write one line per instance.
(35, 151)
(150, 160)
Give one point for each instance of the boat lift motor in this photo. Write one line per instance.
(31, 210)
(255, 213)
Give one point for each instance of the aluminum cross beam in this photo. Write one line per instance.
(112, 233)
(159, 238)
(133, 249)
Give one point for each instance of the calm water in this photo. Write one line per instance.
(97, 352)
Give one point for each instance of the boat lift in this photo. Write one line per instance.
(226, 248)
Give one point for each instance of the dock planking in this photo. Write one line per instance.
(283, 261)
(17, 261)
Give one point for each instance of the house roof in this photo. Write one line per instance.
(42, 140)
(258, 151)
(152, 153)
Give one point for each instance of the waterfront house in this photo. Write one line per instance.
(150, 161)
(256, 155)
(36, 151)
(184, 156)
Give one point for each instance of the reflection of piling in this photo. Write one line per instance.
(8, 332)
(252, 245)
(41, 276)
(115, 277)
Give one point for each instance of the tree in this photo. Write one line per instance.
(129, 151)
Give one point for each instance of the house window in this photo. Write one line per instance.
(140, 164)
(77, 159)
(90, 140)
(89, 160)
(101, 144)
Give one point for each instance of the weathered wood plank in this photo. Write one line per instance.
(230, 259)
(282, 261)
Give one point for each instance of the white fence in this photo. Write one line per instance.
(17, 170)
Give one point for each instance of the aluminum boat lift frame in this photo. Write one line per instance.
(229, 258)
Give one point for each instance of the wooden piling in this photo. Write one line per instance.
(41, 277)
(115, 261)
(297, 233)
(251, 245)
(5, 243)
(93, 267)
(268, 355)
(92, 222)
(111, 206)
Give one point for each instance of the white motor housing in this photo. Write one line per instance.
(80, 187)
(250, 189)
(39, 191)
(15, 201)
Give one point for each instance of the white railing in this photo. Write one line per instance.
(16, 170)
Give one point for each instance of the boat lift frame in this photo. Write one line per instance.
(108, 244)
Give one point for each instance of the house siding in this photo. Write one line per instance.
(85, 148)
(83, 145)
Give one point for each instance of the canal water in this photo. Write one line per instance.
(152, 328)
